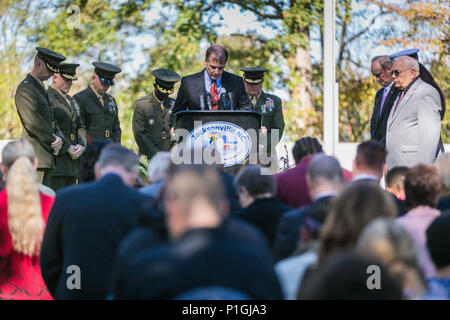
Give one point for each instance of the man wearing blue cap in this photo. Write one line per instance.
(99, 110)
(381, 69)
(36, 115)
(414, 124)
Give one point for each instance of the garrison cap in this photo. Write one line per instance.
(106, 72)
(68, 70)
(253, 75)
(52, 59)
(165, 79)
(410, 52)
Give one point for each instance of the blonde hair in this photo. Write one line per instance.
(25, 222)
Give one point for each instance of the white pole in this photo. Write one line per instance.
(330, 103)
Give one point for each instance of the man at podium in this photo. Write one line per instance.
(212, 88)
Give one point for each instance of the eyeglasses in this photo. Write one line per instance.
(396, 72)
(109, 82)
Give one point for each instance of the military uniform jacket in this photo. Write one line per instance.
(69, 121)
(151, 124)
(269, 106)
(37, 119)
(101, 121)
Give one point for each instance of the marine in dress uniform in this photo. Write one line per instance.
(98, 110)
(36, 115)
(268, 105)
(67, 114)
(151, 115)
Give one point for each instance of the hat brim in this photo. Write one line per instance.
(69, 77)
(253, 81)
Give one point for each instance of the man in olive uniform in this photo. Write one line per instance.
(67, 114)
(268, 105)
(151, 115)
(98, 109)
(36, 115)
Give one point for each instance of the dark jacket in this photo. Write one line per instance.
(378, 123)
(38, 122)
(151, 125)
(102, 121)
(202, 258)
(288, 232)
(265, 214)
(74, 131)
(85, 228)
(191, 86)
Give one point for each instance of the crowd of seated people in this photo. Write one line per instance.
(197, 232)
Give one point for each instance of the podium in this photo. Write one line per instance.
(234, 133)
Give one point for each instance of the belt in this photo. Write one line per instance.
(107, 134)
(72, 137)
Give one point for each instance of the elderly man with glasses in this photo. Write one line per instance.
(98, 110)
(414, 123)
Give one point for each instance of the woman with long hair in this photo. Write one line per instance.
(23, 215)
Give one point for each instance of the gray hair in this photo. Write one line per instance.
(384, 61)
(115, 154)
(325, 167)
(409, 62)
(158, 166)
(388, 241)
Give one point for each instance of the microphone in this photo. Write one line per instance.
(208, 100)
(230, 100)
(202, 101)
(223, 95)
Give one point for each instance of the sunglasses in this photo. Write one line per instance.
(396, 72)
(109, 82)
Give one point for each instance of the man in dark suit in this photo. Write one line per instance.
(67, 113)
(98, 109)
(384, 99)
(203, 252)
(210, 85)
(324, 178)
(87, 224)
(36, 114)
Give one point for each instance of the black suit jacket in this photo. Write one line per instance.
(288, 232)
(201, 258)
(84, 228)
(188, 97)
(378, 123)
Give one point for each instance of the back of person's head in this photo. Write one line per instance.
(347, 276)
(256, 180)
(438, 240)
(194, 197)
(304, 147)
(395, 181)
(353, 208)
(86, 171)
(158, 166)
(442, 165)
(324, 169)
(120, 160)
(422, 186)
(25, 222)
(370, 158)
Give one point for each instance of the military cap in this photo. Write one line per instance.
(106, 72)
(165, 79)
(68, 70)
(253, 75)
(52, 59)
(410, 52)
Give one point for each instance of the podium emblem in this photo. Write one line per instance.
(231, 141)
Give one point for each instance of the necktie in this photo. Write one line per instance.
(398, 101)
(385, 93)
(214, 96)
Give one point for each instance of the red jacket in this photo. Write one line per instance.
(291, 184)
(20, 275)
